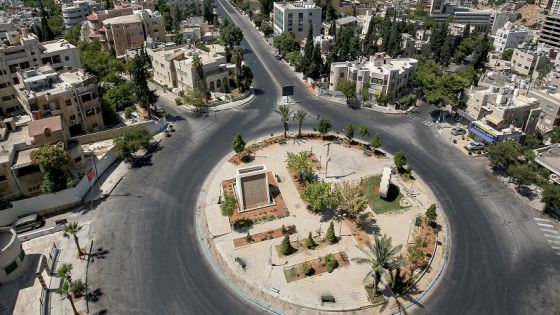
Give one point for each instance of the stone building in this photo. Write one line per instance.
(12, 255)
(297, 17)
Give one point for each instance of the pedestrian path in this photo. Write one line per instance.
(551, 235)
(419, 120)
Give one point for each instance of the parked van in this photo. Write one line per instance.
(27, 223)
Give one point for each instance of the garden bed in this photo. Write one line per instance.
(319, 265)
(374, 299)
(263, 236)
(300, 246)
(378, 204)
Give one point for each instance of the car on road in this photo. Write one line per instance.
(458, 131)
(27, 223)
(278, 57)
(473, 146)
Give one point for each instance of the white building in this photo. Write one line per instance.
(509, 37)
(12, 255)
(76, 12)
(297, 17)
(391, 77)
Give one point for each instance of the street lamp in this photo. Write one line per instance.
(341, 217)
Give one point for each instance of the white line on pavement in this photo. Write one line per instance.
(553, 242)
(547, 225)
(552, 236)
(540, 219)
(550, 231)
(555, 247)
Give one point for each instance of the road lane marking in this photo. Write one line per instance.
(540, 219)
(545, 225)
(552, 236)
(555, 247)
(553, 242)
(550, 231)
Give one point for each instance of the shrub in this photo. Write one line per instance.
(332, 263)
(229, 205)
(308, 269)
(431, 214)
(128, 112)
(238, 143)
(310, 242)
(286, 247)
(319, 196)
(400, 160)
(178, 101)
(131, 141)
(284, 230)
(331, 237)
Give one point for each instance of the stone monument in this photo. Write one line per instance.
(251, 187)
(385, 182)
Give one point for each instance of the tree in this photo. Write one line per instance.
(295, 58)
(308, 52)
(332, 263)
(231, 35)
(144, 96)
(50, 156)
(366, 95)
(77, 288)
(503, 154)
(551, 198)
(72, 229)
(196, 98)
(507, 54)
(400, 160)
(131, 141)
(348, 88)
(375, 142)
(285, 111)
(209, 11)
(120, 97)
(66, 293)
(554, 135)
(229, 205)
(238, 143)
(431, 214)
(299, 164)
(383, 258)
(351, 198)
(65, 272)
(163, 8)
(346, 46)
(177, 17)
(266, 28)
(330, 236)
(522, 175)
(307, 269)
(480, 53)
(73, 34)
(199, 69)
(266, 7)
(108, 4)
(310, 242)
(318, 196)
(363, 131)
(368, 46)
(237, 54)
(415, 254)
(315, 68)
(324, 126)
(350, 132)
(285, 43)
(543, 72)
(467, 31)
(299, 117)
(286, 247)
(245, 79)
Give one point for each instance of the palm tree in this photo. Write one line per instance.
(197, 66)
(64, 272)
(300, 116)
(72, 229)
(285, 111)
(383, 259)
(237, 54)
(66, 292)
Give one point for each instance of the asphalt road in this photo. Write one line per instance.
(499, 264)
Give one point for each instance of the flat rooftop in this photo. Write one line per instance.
(6, 238)
(57, 45)
(13, 138)
(549, 157)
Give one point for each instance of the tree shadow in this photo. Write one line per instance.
(243, 226)
(526, 192)
(94, 296)
(174, 118)
(258, 91)
(369, 225)
(327, 215)
(99, 253)
(392, 193)
(142, 161)
(101, 312)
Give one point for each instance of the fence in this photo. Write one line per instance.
(71, 197)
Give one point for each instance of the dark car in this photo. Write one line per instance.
(458, 131)
(279, 57)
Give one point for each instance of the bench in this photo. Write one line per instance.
(282, 142)
(241, 262)
(327, 299)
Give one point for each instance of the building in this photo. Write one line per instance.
(12, 255)
(549, 158)
(526, 61)
(197, 28)
(509, 37)
(442, 10)
(76, 12)
(550, 109)
(251, 187)
(196, 7)
(173, 67)
(297, 17)
(71, 94)
(550, 31)
(347, 21)
(500, 18)
(130, 31)
(391, 77)
(22, 50)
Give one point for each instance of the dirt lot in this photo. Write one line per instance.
(532, 16)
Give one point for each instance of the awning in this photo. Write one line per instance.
(494, 119)
(482, 135)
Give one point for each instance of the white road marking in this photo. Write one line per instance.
(552, 236)
(553, 242)
(555, 247)
(550, 231)
(540, 219)
(546, 225)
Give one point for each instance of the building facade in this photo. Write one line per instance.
(550, 109)
(526, 61)
(390, 77)
(76, 12)
(509, 37)
(12, 255)
(297, 17)
(550, 31)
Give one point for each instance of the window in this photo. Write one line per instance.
(90, 112)
(72, 117)
(3, 178)
(86, 97)
(67, 58)
(68, 102)
(11, 267)
(6, 98)
(78, 159)
(21, 254)
(16, 80)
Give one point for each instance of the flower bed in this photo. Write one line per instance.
(263, 236)
(300, 246)
(319, 265)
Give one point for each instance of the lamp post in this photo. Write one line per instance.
(341, 218)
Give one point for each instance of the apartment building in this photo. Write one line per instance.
(443, 10)
(130, 31)
(526, 61)
(173, 67)
(22, 50)
(77, 11)
(509, 37)
(297, 17)
(550, 31)
(196, 7)
(550, 109)
(71, 94)
(391, 77)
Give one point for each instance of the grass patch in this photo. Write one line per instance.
(374, 298)
(381, 205)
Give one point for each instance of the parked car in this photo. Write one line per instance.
(278, 57)
(170, 127)
(473, 146)
(458, 131)
(27, 223)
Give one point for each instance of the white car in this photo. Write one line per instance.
(473, 146)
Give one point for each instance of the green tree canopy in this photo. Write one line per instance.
(330, 236)
(228, 205)
(299, 164)
(551, 198)
(238, 143)
(318, 196)
(431, 214)
(324, 126)
(285, 43)
(50, 156)
(131, 141)
(348, 88)
(504, 154)
(400, 159)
